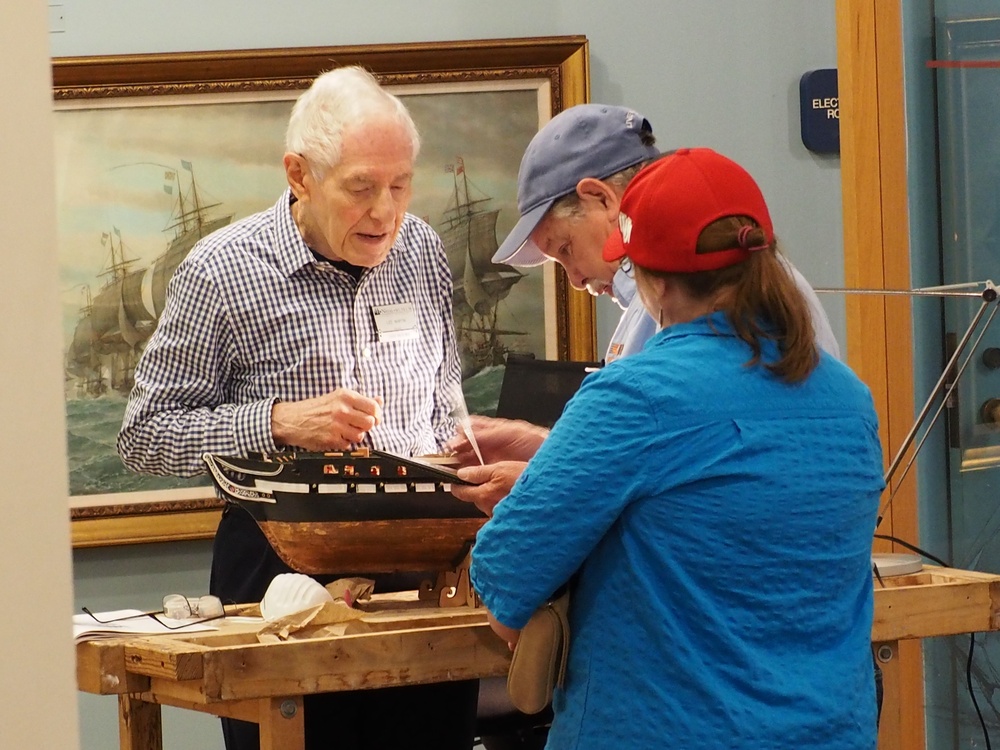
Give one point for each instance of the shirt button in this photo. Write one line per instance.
(366, 352)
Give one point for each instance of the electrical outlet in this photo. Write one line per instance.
(57, 18)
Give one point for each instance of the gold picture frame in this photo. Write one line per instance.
(555, 68)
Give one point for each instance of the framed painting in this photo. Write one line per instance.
(155, 151)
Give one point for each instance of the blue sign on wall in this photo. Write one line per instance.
(819, 105)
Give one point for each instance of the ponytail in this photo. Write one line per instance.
(758, 296)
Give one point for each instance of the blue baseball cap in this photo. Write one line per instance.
(588, 140)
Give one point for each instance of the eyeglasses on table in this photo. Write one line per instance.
(176, 607)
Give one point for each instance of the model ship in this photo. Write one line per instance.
(344, 512)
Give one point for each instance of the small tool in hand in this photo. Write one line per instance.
(461, 415)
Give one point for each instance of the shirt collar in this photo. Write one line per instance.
(713, 324)
(623, 287)
(294, 253)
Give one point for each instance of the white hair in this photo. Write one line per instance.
(338, 99)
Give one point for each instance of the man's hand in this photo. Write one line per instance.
(493, 483)
(499, 440)
(333, 421)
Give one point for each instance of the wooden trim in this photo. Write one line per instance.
(876, 255)
(896, 252)
(861, 196)
(579, 335)
(164, 527)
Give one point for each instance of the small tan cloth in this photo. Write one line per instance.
(351, 590)
(539, 660)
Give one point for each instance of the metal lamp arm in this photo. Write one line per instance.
(988, 295)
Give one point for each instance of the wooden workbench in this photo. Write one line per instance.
(228, 673)
(933, 602)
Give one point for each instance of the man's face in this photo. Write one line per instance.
(576, 242)
(354, 213)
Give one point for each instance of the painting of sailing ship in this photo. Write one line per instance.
(119, 314)
(469, 233)
(466, 187)
(115, 323)
(139, 186)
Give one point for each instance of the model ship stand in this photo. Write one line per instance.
(452, 588)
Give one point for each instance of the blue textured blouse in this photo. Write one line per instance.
(721, 521)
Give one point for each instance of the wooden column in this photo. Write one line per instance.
(876, 255)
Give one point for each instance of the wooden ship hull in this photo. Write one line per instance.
(349, 512)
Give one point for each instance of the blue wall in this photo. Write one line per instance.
(722, 74)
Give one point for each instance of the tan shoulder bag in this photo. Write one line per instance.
(539, 660)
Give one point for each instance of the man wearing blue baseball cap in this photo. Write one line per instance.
(569, 189)
(569, 186)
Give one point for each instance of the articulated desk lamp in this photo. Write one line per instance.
(899, 564)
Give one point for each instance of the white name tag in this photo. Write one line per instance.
(395, 322)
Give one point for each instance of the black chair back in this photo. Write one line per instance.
(536, 390)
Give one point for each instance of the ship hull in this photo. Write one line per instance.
(344, 513)
(334, 547)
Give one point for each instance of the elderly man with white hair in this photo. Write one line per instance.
(277, 333)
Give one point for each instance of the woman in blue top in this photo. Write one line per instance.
(716, 494)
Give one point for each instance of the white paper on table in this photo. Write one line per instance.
(86, 628)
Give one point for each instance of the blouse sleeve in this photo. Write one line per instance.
(579, 483)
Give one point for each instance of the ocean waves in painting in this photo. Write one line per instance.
(94, 466)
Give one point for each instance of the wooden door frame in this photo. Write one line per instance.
(876, 255)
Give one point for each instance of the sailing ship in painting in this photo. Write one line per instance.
(115, 324)
(468, 231)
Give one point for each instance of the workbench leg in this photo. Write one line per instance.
(890, 729)
(282, 724)
(139, 724)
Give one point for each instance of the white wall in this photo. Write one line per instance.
(37, 701)
(722, 74)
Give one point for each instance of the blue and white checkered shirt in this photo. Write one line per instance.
(252, 317)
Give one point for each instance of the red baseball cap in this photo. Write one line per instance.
(669, 203)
